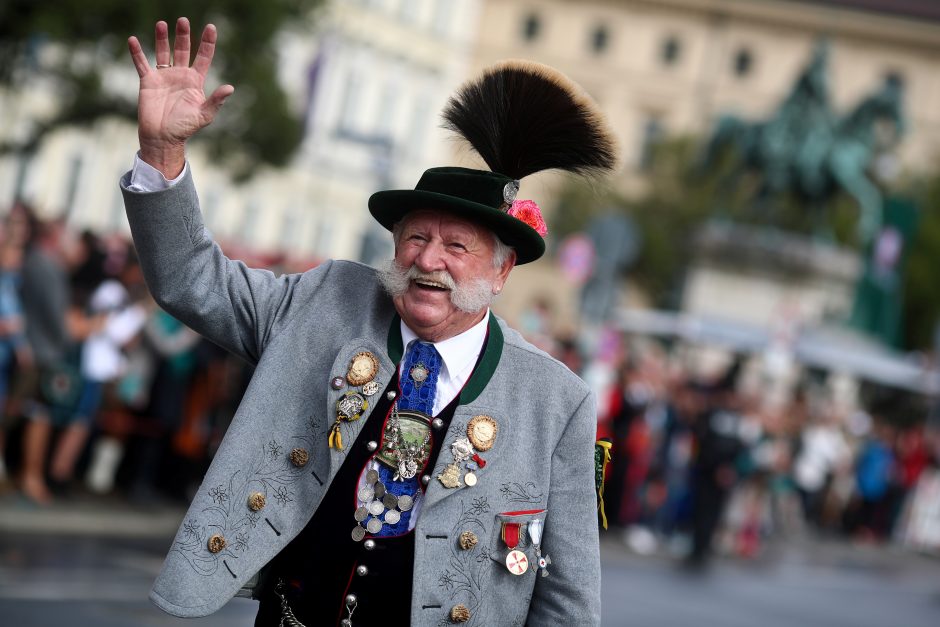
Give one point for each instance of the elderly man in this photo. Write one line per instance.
(400, 456)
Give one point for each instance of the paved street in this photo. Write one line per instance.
(82, 578)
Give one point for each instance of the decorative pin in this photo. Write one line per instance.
(337, 383)
(517, 562)
(535, 533)
(461, 449)
(362, 368)
(349, 408)
(419, 374)
(371, 388)
(481, 430)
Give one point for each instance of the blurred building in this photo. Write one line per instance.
(370, 82)
(671, 67)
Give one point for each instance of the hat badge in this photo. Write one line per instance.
(509, 194)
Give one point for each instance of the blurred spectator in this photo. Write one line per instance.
(822, 453)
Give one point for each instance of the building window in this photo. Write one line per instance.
(743, 62)
(531, 27)
(599, 39)
(670, 51)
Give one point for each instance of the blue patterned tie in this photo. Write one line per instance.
(419, 396)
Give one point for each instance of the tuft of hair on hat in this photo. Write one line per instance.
(523, 117)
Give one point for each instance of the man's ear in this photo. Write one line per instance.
(504, 271)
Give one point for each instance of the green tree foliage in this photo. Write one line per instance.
(257, 126)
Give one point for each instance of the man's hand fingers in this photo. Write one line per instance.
(212, 105)
(206, 50)
(138, 57)
(162, 43)
(181, 43)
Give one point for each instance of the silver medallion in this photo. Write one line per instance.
(374, 526)
(376, 508)
(361, 514)
(379, 489)
(405, 502)
(470, 479)
(419, 373)
(372, 476)
(461, 449)
(510, 190)
(392, 517)
(390, 500)
(351, 404)
(371, 388)
(358, 533)
(407, 468)
(366, 493)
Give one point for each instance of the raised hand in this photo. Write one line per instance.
(172, 103)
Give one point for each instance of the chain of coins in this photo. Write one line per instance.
(376, 500)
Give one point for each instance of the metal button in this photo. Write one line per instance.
(425, 479)
(351, 599)
(369, 545)
(337, 383)
(362, 570)
(468, 540)
(299, 457)
(256, 501)
(459, 613)
(391, 395)
(216, 543)
(437, 423)
(372, 445)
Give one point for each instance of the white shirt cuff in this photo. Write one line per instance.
(146, 178)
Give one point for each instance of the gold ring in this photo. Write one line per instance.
(161, 66)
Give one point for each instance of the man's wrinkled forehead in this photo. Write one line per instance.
(422, 219)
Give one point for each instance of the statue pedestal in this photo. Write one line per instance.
(758, 276)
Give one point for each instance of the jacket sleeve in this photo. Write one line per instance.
(235, 306)
(571, 594)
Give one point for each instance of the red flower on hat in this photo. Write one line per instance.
(529, 212)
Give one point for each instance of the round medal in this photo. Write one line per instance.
(358, 533)
(351, 405)
(392, 517)
(376, 508)
(517, 562)
(371, 388)
(361, 514)
(470, 479)
(481, 431)
(362, 368)
(390, 500)
(372, 476)
(405, 502)
(374, 526)
(379, 490)
(419, 373)
(365, 494)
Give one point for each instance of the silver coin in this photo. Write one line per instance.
(390, 500)
(372, 476)
(405, 502)
(366, 493)
(361, 514)
(379, 489)
(370, 388)
(376, 508)
(374, 525)
(392, 517)
(358, 533)
(470, 479)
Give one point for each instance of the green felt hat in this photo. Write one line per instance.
(520, 117)
(478, 195)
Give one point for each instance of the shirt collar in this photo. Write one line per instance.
(458, 352)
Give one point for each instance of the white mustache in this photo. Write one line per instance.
(440, 278)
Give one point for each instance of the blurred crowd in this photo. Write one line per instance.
(706, 466)
(104, 392)
(101, 390)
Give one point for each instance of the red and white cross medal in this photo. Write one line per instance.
(535, 533)
(516, 561)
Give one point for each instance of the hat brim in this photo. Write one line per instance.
(388, 207)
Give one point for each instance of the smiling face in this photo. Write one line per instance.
(445, 254)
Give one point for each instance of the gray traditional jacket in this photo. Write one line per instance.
(301, 331)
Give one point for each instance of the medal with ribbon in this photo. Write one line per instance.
(535, 534)
(516, 561)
